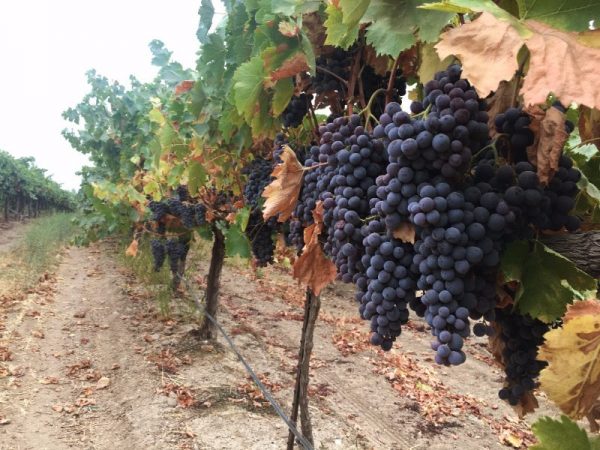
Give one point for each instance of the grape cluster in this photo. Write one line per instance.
(259, 232)
(386, 288)
(259, 176)
(295, 111)
(514, 124)
(436, 172)
(371, 82)
(338, 63)
(177, 250)
(522, 335)
(159, 253)
(360, 160)
(158, 209)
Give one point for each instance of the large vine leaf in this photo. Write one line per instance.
(282, 194)
(338, 33)
(563, 434)
(283, 91)
(248, 83)
(548, 281)
(572, 377)
(397, 24)
(487, 48)
(561, 65)
(574, 15)
(313, 268)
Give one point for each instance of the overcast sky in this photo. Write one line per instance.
(46, 48)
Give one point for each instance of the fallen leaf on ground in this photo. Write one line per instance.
(132, 249)
(103, 383)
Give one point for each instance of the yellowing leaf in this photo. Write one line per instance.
(549, 130)
(560, 64)
(572, 377)
(132, 249)
(313, 268)
(430, 62)
(487, 48)
(281, 195)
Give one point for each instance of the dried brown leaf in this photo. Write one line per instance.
(281, 195)
(500, 101)
(561, 64)
(405, 232)
(487, 48)
(291, 66)
(550, 137)
(103, 383)
(313, 268)
(184, 86)
(132, 249)
(589, 125)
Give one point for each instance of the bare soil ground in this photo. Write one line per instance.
(86, 362)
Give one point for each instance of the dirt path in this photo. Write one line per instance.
(77, 378)
(89, 364)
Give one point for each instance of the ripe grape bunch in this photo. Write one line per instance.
(190, 214)
(296, 109)
(259, 232)
(434, 171)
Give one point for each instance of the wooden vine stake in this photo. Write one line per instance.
(207, 329)
(311, 312)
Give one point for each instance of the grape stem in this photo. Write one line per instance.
(367, 109)
(390, 86)
(330, 73)
(587, 141)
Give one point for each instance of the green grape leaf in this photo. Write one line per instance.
(574, 15)
(388, 43)
(338, 33)
(236, 242)
(248, 82)
(548, 280)
(353, 11)
(282, 94)
(197, 177)
(242, 216)
(413, 24)
(563, 434)
(473, 6)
